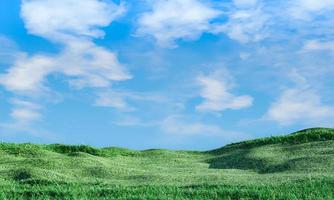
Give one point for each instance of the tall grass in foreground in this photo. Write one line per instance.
(311, 189)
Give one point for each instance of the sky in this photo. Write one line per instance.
(177, 74)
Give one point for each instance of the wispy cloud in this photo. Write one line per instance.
(24, 115)
(25, 112)
(120, 99)
(179, 125)
(8, 50)
(183, 127)
(246, 21)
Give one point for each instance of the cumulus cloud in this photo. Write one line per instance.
(58, 20)
(171, 20)
(216, 93)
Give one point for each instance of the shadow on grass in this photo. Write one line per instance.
(241, 159)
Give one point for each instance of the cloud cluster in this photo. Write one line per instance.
(242, 20)
(171, 20)
(72, 24)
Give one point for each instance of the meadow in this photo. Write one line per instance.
(295, 166)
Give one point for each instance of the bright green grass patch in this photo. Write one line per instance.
(296, 166)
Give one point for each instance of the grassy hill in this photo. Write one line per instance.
(296, 166)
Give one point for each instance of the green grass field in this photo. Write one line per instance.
(297, 166)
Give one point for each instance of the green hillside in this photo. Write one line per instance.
(296, 166)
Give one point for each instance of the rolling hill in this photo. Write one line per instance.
(295, 166)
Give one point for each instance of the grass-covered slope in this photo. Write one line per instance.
(296, 166)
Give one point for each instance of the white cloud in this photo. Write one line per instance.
(247, 20)
(314, 45)
(179, 125)
(27, 74)
(255, 20)
(57, 20)
(171, 20)
(216, 94)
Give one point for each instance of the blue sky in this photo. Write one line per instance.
(178, 74)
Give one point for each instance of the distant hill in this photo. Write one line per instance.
(295, 166)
